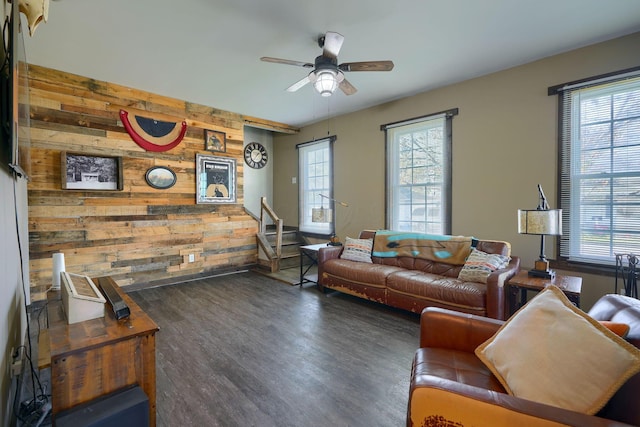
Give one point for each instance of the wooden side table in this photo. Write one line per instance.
(519, 284)
(96, 357)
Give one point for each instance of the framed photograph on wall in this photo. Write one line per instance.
(160, 177)
(215, 141)
(215, 179)
(89, 172)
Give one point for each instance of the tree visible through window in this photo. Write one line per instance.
(600, 169)
(419, 174)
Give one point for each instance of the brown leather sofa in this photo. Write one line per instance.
(413, 284)
(447, 372)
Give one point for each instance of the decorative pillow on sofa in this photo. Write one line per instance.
(620, 329)
(357, 250)
(479, 265)
(554, 353)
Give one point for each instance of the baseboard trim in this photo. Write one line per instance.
(189, 278)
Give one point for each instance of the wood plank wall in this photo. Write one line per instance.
(139, 235)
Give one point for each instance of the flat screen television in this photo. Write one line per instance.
(14, 104)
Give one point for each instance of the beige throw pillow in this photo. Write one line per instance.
(554, 353)
(357, 250)
(479, 265)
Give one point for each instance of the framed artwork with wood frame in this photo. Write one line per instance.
(215, 141)
(160, 177)
(91, 172)
(215, 179)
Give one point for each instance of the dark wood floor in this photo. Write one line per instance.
(247, 350)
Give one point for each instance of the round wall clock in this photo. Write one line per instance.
(255, 155)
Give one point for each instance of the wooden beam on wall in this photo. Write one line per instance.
(269, 125)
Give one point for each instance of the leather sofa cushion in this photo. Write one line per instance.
(494, 247)
(449, 291)
(455, 365)
(374, 275)
(426, 266)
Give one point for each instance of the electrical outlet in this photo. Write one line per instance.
(16, 368)
(294, 180)
(192, 257)
(17, 353)
(17, 357)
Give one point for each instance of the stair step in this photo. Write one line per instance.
(290, 250)
(291, 242)
(287, 238)
(289, 262)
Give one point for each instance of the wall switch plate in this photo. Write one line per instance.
(192, 257)
(294, 180)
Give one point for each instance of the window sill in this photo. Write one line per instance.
(579, 267)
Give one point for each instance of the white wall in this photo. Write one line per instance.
(258, 182)
(13, 216)
(13, 291)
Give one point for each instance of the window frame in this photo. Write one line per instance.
(392, 167)
(567, 258)
(304, 221)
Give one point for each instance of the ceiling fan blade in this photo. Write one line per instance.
(332, 44)
(286, 62)
(297, 85)
(347, 87)
(367, 66)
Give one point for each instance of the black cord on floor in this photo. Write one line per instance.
(31, 408)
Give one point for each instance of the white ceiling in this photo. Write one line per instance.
(207, 51)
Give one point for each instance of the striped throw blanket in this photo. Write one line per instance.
(448, 249)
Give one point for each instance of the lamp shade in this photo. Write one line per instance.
(321, 215)
(326, 82)
(540, 221)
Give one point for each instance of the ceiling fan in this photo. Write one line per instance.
(327, 75)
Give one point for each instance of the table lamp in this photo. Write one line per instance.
(543, 222)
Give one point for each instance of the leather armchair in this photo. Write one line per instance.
(451, 386)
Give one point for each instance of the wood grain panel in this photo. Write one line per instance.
(141, 234)
(277, 355)
(96, 357)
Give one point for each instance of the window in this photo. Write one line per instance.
(600, 168)
(419, 174)
(315, 163)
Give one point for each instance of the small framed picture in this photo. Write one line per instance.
(88, 172)
(215, 179)
(160, 177)
(215, 141)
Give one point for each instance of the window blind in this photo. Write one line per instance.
(600, 168)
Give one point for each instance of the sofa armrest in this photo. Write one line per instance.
(324, 255)
(330, 252)
(434, 398)
(442, 328)
(496, 291)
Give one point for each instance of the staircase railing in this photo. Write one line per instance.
(273, 256)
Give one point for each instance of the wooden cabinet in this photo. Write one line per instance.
(96, 357)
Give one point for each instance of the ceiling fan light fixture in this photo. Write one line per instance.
(326, 82)
(328, 74)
